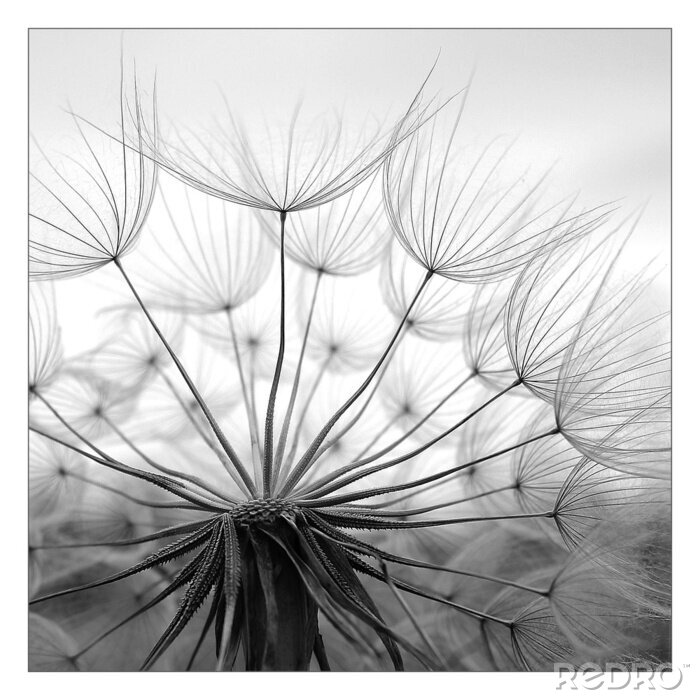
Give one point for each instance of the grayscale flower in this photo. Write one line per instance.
(423, 426)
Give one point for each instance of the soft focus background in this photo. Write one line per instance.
(596, 102)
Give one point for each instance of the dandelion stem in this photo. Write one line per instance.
(350, 520)
(254, 411)
(429, 487)
(69, 427)
(132, 616)
(423, 593)
(173, 531)
(320, 653)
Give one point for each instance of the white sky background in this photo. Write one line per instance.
(595, 101)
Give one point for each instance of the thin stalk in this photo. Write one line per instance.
(200, 431)
(270, 416)
(281, 443)
(226, 446)
(203, 486)
(403, 497)
(357, 462)
(133, 499)
(409, 613)
(379, 554)
(381, 432)
(417, 426)
(304, 462)
(369, 493)
(300, 422)
(353, 421)
(254, 448)
(331, 485)
(428, 509)
(173, 531)
(349, 520)
(254, 411)
(168, 590)
(170, 485)
(69, 427)
(361, 565)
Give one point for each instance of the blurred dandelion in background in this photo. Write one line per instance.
(368, 393)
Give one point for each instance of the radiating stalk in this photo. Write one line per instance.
(383, 429)
(175, 505)
(359, 462)
(378, 512)
(255, 451)
(270, 416)
(319, 502)
(226, 446)
(300, 421)
(353, 421)
(282, 442)
(332, 485)
(200, 483)
(414, 428)
(104, 459)
(304, 462)
(200, 431)
(254, 411)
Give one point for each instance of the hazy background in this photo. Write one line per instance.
(595, 101)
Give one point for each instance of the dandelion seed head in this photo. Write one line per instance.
(366, 399)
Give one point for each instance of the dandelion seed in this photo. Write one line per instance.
(455, 215)
(45, 351)
(88, 217)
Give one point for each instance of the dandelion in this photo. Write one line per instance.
(403, 429)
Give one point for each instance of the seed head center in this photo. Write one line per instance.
(263, 510)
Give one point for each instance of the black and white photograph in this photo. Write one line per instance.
(349, 351)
